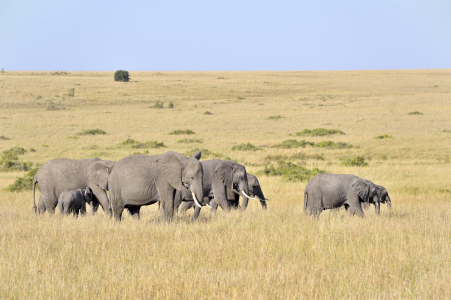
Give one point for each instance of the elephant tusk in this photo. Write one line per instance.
(195, 200)
(208, 205)
(248, 196)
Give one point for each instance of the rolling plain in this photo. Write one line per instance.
(398, 122)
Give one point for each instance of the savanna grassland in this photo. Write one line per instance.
(278, 253)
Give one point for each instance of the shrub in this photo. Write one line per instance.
(275, 117)
(189, 141)
(121, 75)
(92, 132)
(128, 142)
(157, 104)
(59, 73)
(179, 132)
(10, 160)
(150, 144)
(289, 144)
(332, 145)
(384, 136)
(318, 132)
(171, 105)
(13, 153)
(358, 161)
(246, 147)
(207, 113)
(23, 183)
(415, 113)
(291, 171)
(2, 137)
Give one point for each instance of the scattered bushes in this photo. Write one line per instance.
(10, 160)
(246, 147)
(23, 183)
(92, 132)
(291, 171)
(179, 132)
(121, 75)
(384, 136)
(358, 161)
(59, 73)
(415, 113)
(318, 132)
(138, 145)
(189, 141)
(289, 144)
(298, 156)
(158, 104)
(275, 117)
(332, 145)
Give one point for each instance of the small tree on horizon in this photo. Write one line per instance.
(121, 75)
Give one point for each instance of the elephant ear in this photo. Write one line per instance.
(197, 155)
(170, 166)
(361, 188)
(224, 171)
(99, 171)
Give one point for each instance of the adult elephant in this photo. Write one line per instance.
(255, 191)
(139, 180)
(218, 177)
(383, 198)
(328, 191)
(59, 174)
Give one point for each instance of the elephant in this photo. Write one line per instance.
(383, 197)
(139, 180)
(218, 177)
(255, 191)
(74, 201)
(328, 191)
(60, 174)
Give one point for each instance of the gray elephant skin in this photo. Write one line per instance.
(218, 177)
(328, 191)
(139, 180)
(383, 197)
(62, 174)
(74, 201)
(255, 191)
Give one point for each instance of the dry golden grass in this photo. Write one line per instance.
(278, 253)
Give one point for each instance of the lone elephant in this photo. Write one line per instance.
(328, 191)
(61, 174)
(139, 180)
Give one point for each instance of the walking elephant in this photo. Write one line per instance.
(74, 201)
(328, 191)
(255, 191)
(60, 174)
(218, 177)
(383, 198)
(139, 180)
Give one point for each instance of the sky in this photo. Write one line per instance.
(175, 35)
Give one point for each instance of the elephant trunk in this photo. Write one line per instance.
(198, 194)
(258, 193)
(388, 202)
(378, 208)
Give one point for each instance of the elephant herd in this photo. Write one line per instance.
(177, 181)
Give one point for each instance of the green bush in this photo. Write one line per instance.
(332, 145)
(121, 75)
(415, 113)
(275, 117)
(171, 105)
(2, 137)
(207, 113)
(291, 171)
(23, 183)
(318, 132)
(10, 160)
(358, 161)
(158, 104)
(298, 156)
(189, 141)
(246, 147)
(289, 144)
(179, 132)
(92, 132)
(150, 144)
(384, 136)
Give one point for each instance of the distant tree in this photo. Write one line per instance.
(121, 75)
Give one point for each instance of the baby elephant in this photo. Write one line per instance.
(328, 191)
(74, 201)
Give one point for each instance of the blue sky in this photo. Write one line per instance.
(224, 35)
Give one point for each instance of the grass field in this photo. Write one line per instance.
(274, 254)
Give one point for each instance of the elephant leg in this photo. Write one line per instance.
(135, 212)
(94, 206)
(83, 210)
(117, 207)
(365, 205)
(234, 203)
(185, 206)
(41, 205)
(354, 208)
(314, 206)
(214, 205)
(167, 194)
(224, 205)
(196, 213)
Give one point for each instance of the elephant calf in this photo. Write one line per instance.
(74, 201)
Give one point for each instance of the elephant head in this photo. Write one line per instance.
(255, 190)
(383, 195)
(89, 196)
(98, 173)
(179, 170)
(367, 192)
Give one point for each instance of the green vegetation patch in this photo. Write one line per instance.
(298, 156)
(384, 136)
(190, 141)
(358, 161)
(10, 160)
(179, 132)
(333, 145)
(121, 75)
(291, 171)
(2, 137)
(289, 144)
(208, 113)
(444, 130)
(92, 132)
(415, 113)
(24, 183)
(59, 73)
(158, 104)
(246, 147)
(318, 132)
(149, 144)
(275, 117)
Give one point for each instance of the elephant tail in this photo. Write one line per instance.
(305, 201)
(34, 190)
